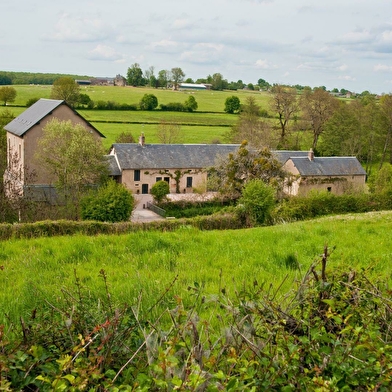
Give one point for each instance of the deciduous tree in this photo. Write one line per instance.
(177, 76)
(67, 89)
(148, 102)
(164, 77)
(284, 104)
(250, 126)
(386, 116)
(135, 75)
(7, 94)
(190, 104)
(232, 104)
(72, 155)
(317, 106)
(233, 172)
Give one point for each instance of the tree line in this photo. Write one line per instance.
(136, 77)
(360, 127)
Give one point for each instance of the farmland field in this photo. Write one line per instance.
(37, 270)
(207, 124)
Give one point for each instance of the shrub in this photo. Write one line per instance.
(110, 203)
(190, 104)
(148, 102)
(257, 201)
(173, 107)
(159, 191)
(232, 104)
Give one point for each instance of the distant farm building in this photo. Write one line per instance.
(102, 81)
(192, 86)
(83, 82)
(119, 80)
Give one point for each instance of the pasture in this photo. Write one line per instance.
(144, 264)
(209, 123)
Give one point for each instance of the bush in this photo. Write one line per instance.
(159, 191)
(190, 104)
(257, 202)
(148, 102)
(173, 107)
(110, 203)
(232, 104)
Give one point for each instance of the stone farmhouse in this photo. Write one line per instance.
(333, 174)
(23, 133)
(140, 165)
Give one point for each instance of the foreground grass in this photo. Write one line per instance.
(145, 263)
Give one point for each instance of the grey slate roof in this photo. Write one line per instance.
(328, 166)
(34, 114)
(180, 156)
(283, 155)
(114, 170)
(170, 156)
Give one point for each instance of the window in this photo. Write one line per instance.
(189, 182)
(167, 179)
(158, 179)
(136, 175)
(329, 189)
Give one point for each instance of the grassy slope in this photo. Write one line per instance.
(148, 261)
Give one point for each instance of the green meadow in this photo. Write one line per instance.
(209, 123)
(144, 264)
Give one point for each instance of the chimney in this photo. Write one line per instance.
(311, 155)
(142, 139)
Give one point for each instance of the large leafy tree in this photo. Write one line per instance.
(135, 75)
(7, 94)
(284, 104)
(164, 77)
(386, 117)
(74, 157)
(318, 107)
(67, 89)
(233, 172)
(177, 75)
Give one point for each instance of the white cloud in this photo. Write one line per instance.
(347, 78)
(71, 28)
(165, 46)
(106, 53)
(382, 68)
(182, 23)
(265, 64)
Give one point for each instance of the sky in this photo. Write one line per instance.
(332, 43)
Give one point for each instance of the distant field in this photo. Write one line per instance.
(208, 124)
(146, 262)
(188, 134)
(210, 101)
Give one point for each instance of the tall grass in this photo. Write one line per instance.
(144, 263)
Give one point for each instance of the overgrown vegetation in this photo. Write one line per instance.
(331, 332)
